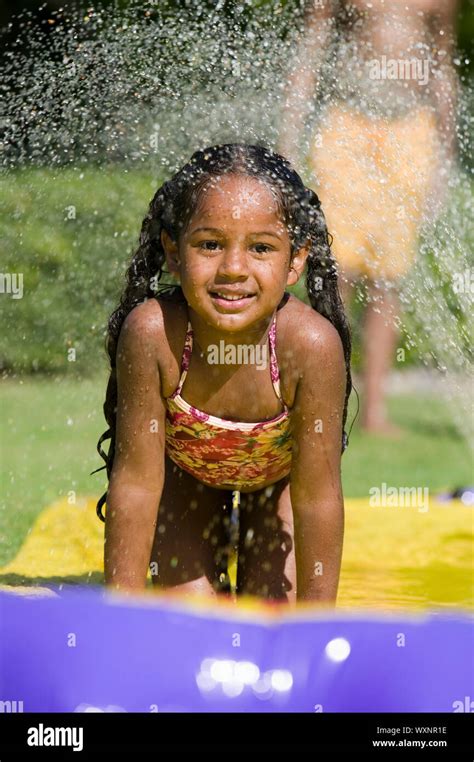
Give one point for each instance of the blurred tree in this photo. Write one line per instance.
(241, 9)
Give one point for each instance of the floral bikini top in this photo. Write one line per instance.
(228, 454)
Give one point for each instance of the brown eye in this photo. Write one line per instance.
(203, 245)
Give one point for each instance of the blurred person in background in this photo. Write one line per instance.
(377, 78)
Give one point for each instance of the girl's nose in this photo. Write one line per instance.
(233, 262)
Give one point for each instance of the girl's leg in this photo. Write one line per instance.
(266, 564)
(191, 539)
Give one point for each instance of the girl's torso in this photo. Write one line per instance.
(205, 391)
(244, 394)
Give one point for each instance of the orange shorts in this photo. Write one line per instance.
(374, 177)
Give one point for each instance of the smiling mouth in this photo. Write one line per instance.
(230, 298)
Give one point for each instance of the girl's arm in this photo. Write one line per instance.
(315, 479)
(137, 477)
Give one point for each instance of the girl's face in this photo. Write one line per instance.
(235, 245)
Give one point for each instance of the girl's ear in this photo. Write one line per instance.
(171, 254)
(297, 264)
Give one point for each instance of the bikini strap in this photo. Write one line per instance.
(186, 358)
(274, 369)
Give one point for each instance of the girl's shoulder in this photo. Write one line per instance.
(300, 327)
(146, 317)
(167, 319)
(302, 336)
(163, 323)
(315, 366)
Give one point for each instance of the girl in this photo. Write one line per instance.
(191, 417)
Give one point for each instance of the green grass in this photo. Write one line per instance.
(431, 452)
(51, 426)
(50, 430)
(71, 234)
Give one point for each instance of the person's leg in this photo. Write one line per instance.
(190, 548)
(346, 283)
(266, 565)
(379, 337)
(404, 166)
